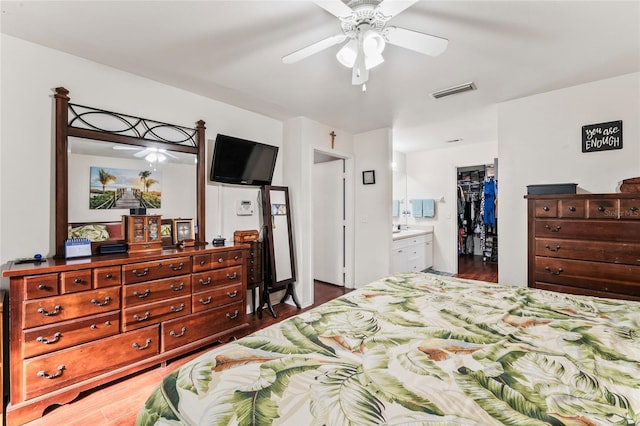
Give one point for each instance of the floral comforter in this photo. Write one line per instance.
(421, 349)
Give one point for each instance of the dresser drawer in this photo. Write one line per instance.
(37, 286)
(592, 230)
(59, 308)
(74, 281)
(586, 291)
(151, 291)
(49, 338)
(153, 313)
(198, 326)
(53, 371)
(203, 262)
(216, 296)
(590, 275)
(571, 209)
(107, 277)
(599, 251)
(630, 209)
(204, 280)
(145, 271)
(608, 208)
(546, 208)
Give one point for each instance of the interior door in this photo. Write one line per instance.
(329, 220)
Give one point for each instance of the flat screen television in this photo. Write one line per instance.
(242, 162)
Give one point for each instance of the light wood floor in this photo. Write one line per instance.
(119, 402)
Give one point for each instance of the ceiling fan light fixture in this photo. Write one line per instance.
(373, 43)
(348, 53)
(373, 61)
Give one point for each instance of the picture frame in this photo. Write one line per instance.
(183, 229)
(166, 232)
(368, 177)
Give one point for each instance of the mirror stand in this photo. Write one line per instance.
(279, 254)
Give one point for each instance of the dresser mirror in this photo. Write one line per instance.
(171, 157)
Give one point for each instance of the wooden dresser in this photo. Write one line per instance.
(255, 280)
(76, 324)
(585, 244)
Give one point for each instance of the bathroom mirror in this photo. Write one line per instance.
(400, 204)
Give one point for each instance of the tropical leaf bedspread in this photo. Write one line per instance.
(421, 349)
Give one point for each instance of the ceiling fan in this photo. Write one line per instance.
(150, 154)
(364, 25)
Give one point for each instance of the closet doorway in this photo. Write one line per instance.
(329, 224)
(477, 231)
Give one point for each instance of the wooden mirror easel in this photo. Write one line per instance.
(280, 264)
(139, 132)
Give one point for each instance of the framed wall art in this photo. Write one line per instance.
(369, 177)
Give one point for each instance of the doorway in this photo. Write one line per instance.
(329, 224)
(477, 232)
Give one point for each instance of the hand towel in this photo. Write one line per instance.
(428, 208)
(395, 212)
(416, 208)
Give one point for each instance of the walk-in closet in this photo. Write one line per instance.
(477, 237)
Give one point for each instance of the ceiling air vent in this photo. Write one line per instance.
(453, 90)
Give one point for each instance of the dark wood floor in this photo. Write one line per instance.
(474, 268)
(117, 404)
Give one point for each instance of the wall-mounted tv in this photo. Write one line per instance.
(242, 162)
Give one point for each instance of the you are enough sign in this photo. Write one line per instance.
(602, 136)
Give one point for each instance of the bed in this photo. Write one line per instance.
(424, 349)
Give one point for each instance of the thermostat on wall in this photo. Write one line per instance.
(245, 208)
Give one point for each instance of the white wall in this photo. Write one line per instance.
(27, 170)
(540, 142)
(373, 151)
(433, 174)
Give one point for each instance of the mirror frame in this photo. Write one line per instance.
(271, 283)
(63, 129)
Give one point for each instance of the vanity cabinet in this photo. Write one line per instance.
(77, 324)
(412, 253)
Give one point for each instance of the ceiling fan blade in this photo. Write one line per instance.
(125, 148)
(313, 48)
(390, 8)
(168, 154)
(142, 153)
(416, 41)
(335, 7)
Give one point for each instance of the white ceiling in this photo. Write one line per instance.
(231, 51)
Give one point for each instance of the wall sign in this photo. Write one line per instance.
(602, 136)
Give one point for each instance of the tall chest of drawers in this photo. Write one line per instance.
(585, 244)
(77, 324)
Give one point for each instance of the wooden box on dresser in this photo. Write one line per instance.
(79, 323)
(585, 244)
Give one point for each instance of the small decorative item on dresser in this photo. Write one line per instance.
(630, 185)
(183, 229)
(245, 236)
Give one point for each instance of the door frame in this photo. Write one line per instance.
(349, 208)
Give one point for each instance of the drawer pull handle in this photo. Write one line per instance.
(78, 281)
(42, 287)
(234, 316)
(182, 331)
(556, 229)
(220, 260)
(108, 276)
(236, 257)
(106, 301)
(552, 249)
(56, 311)
(51, 376)
(545, 208)
(633, 209)
(144, 272)
(176, 268)
(145, 317)
(207, 282)
(572, 209)
(232, 276)
(177, 287)
(205, 302)
(202, 262)
(141, 348)
(174, 309)
(601, 208)
(55, 338)
(142, 295)
(232, 295)
(558, 272)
